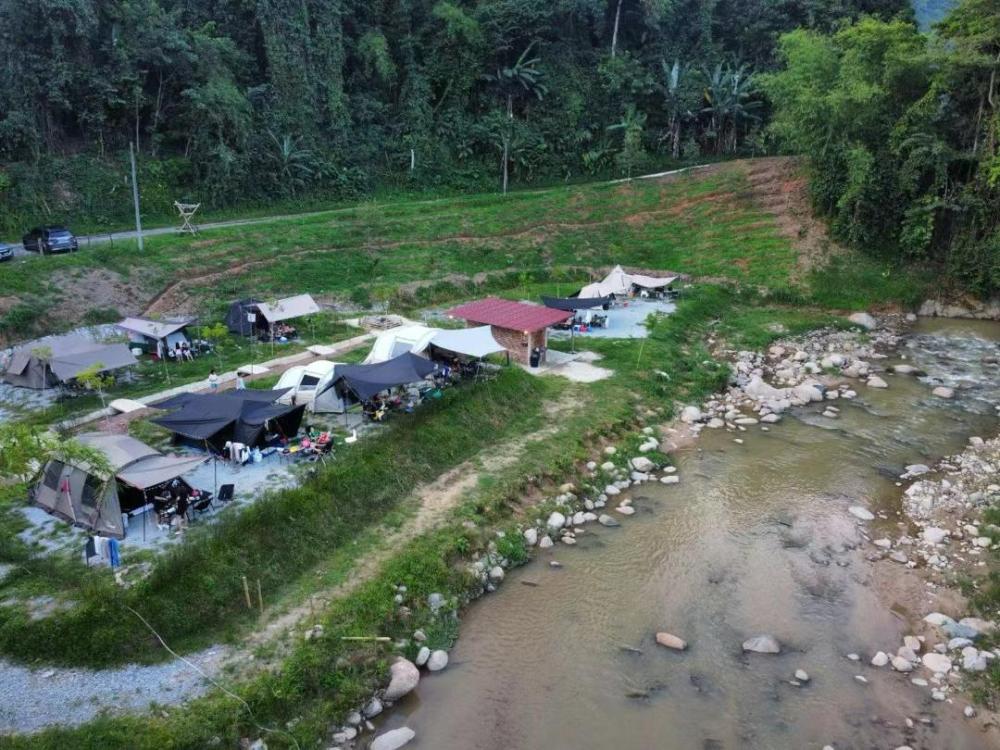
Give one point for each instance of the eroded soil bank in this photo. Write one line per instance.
(756, 538)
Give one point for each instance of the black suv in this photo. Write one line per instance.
(6, 252)
(47, 240)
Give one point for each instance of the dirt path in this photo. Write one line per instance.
(433, 502)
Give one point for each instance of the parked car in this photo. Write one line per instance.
(6, 252)
(50, 240)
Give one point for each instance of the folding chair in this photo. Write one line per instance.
(226, 493)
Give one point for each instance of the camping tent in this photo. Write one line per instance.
(78, 495)
(365, 381)
(303, 382)
(53, 360)
(468, 342)
(237, 320)
(619, 284)
(399, 340)
(239, 416)
(156, 336)
(264, 315)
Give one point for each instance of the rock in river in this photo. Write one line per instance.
(531, 536)
(437, 661)
(423, 655)
(404, 677)
(863, 513)
(902, 665)
(393, 739)
(943, 392)
(671, 641)
(606, 520)
(864, 320)
(762, 644)
(556, 521)
(876, 382)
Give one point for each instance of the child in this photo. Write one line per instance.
(213, 380)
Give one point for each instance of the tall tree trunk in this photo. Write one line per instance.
(614, 34)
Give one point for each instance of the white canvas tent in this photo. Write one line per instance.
(304, 381)
(400, 340)
(619, 284)
(288, 308)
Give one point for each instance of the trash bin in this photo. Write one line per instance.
(536, 355)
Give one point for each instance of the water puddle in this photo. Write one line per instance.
(755, 539)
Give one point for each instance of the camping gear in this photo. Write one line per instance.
(366, 381)
(238, 317)
(187, 212)
(230, 416)
(251, 317)
(56, 360)
(77, 495)
(305, 381)
(468, 342)
(226, 493)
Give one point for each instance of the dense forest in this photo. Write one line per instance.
(235, 102)
(902, 130)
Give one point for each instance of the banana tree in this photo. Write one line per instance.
(523, 78)
(729, 103)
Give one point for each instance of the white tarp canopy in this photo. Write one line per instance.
(472, 342)
(153, 470)
(288, 308)
(400, 340)
(620, 284)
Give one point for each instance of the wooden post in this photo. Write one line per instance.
(135, 196)
(246, 593)
(260, 597)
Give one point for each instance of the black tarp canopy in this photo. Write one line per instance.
(238, 416)
(366, 381)
(576, 303)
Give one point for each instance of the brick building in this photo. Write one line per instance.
(517, 326)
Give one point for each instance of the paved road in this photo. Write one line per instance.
(95, 239)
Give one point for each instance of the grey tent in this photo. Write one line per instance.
(249, 316)
(78, 495)
(238, 316)
(51, 361)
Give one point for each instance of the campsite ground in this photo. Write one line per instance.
(430, 492)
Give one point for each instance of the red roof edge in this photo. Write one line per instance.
(504, 313)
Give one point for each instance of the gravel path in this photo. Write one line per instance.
(32, 699)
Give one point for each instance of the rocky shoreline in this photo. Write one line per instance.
(942, 534)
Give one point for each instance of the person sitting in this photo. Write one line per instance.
(186, 350)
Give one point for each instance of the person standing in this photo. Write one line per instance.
(240, 383)
(213, 380)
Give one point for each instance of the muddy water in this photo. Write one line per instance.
(755, 539)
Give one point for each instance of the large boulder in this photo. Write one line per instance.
(874, 381)
(806, 392)
(403, 678)
(937, 663)
(864, 320)
(556, 521)
(643, 464)
(762, 644)
(438, 660)
(393, 739)
(690, 414)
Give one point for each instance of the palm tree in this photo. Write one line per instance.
(293, 164)
(523, 78)
(673, 97)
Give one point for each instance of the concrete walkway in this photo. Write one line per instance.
(280, 364)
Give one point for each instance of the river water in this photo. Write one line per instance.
(755, 539)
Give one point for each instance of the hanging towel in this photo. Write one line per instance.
(91, 549)
(113, 551)
(101, 547)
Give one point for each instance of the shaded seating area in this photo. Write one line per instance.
(74, 492)
(371, 386)
(522, 329)
(221, 421)
(57, 360)
(161, 339)
(269, 321)
(584, 312)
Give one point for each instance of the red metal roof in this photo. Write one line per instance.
(504, 313)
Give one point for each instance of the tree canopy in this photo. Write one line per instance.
(235, 100)
(902, 130)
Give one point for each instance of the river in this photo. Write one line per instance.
(755, 539)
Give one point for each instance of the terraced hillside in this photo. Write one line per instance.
(741, 221)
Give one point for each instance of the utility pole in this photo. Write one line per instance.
(135, 195)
